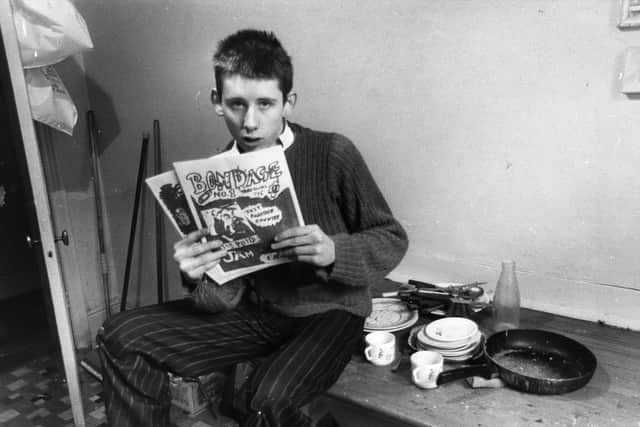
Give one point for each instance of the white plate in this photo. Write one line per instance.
(449, 345)
(477, 351)
(451, 329)
(452, 353)
(453, 346)
(474, 352)
(471, 353)
(389, 314)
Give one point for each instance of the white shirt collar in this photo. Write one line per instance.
(286, 138)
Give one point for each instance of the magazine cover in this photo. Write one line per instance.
(168, 192)
(166, 188)
(244, 200)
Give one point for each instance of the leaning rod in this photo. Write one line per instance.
(134, 220)
(97, 189)
(158, 216)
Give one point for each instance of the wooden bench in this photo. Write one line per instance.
(366, 395)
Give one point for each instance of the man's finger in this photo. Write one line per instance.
(195, 236)
(198, 248)
(211, 256)
(211, 265)
(191, 238)
(300, 250)
(293, 241)
(293, 232)
(191, 264)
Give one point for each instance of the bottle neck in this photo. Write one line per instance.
(508, 269)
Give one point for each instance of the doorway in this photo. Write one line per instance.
(27, 325)
(34, 389)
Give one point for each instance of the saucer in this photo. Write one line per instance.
(447, 345)
(389, 314)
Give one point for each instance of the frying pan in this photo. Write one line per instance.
(531, 360)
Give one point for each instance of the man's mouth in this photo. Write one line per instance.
(250, 139)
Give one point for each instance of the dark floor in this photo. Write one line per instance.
(35, 394)
(32, 387)
(33, 390)
(24, 330)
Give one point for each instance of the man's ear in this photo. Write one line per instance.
(217, 104)
(290, 103)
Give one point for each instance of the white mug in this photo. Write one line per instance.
(381, 348)
(425, 368)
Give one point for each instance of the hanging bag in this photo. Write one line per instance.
(49, 31)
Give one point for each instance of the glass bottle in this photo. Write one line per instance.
(506, 299)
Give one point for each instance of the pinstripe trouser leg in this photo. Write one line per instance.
(302, 357)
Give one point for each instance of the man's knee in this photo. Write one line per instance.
(118, 331)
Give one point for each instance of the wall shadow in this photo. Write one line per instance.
(106, 119)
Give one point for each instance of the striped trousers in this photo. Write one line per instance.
(300, 358)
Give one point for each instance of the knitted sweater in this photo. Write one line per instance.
(337, 192)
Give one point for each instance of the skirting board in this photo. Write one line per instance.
(97, 317)
(595, 302)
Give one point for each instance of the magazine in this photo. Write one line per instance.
(244, 200)
(168, 192)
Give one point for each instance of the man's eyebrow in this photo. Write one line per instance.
(266, 98)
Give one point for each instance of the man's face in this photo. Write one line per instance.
(253, 110)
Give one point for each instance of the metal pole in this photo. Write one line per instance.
(97, 189)
(134, 220)
(159, 217)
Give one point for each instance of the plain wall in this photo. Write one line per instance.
(496, 129)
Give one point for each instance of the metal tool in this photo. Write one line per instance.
(428, 297)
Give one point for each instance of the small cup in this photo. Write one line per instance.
(381, 348)
(425, 368)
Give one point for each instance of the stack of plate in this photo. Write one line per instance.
(456, 338)
(390, 314)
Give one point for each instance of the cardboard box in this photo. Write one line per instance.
(193, 395)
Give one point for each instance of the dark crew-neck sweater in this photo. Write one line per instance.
(336, 191)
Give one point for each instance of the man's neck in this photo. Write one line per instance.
(285, 139)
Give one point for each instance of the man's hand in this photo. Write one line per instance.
(307, 244)
(194, 257)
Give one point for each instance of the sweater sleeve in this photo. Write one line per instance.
(375, 242)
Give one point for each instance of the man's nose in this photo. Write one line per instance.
(250, 120)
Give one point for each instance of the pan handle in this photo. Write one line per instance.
(484, 370)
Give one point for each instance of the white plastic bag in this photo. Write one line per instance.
(49, 31)
(50, 101)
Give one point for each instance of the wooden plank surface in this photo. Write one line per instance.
(612, 397)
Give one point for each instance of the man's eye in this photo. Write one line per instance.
(264, 105)
(236, 105)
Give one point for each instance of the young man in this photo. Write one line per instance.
(302, 320)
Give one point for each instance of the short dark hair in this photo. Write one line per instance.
(253, 54)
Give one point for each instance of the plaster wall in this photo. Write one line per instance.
(496, 129)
